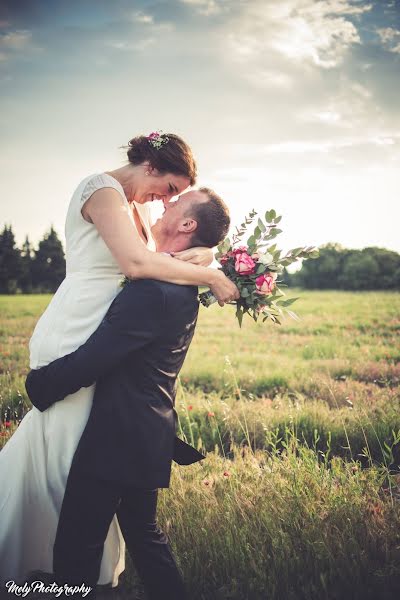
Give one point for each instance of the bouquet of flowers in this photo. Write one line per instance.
(256, 267)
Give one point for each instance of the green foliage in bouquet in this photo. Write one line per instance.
(256, 267)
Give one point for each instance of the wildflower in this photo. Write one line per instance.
(7, 423)
(226, 474)
(211, 414)
(190, 407)
(375, 509)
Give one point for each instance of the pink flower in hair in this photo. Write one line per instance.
(157, 139)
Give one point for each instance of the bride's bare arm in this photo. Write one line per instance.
(106, 210)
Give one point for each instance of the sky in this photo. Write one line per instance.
(287, 104)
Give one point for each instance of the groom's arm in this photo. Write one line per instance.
(133, 320)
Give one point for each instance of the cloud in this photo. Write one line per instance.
(140, 17)
(16, 44)
(330, 117)
(351, 107)
(206, 7)
(329, 145)
(15, 40)
(301, 32)
(390, 39)
(388, 34)
(138, 46)
(140, 31)
(270, 78)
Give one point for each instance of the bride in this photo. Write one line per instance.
(107, 235)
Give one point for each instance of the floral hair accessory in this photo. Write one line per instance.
(157, 139)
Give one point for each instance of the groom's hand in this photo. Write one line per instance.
(36, 390)
(196, 255)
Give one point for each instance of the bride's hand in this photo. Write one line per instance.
(197, 256)
(223, 288)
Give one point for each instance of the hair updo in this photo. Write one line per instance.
(175, 156)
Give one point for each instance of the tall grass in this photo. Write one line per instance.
(299, 497)
(350, 432)
(284, 527)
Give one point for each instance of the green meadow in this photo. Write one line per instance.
(299, 497)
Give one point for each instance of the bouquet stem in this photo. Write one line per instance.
(207, 298)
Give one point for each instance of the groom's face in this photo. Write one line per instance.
(176, 218)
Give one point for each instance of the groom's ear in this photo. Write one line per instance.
(187, 225)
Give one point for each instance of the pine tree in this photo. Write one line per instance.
(10, 262)
(27, 254)
(48, 267)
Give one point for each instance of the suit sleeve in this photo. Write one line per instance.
(133, 321)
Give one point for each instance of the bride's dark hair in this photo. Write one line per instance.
(174, 156)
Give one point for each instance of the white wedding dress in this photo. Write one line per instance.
(34, 464)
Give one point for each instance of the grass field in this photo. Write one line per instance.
(299, 496)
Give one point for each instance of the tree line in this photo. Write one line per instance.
(41, 270)
(339, 268)
(27, 269)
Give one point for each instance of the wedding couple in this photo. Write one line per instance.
(79, 481)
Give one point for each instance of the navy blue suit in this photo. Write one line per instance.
(126, 449)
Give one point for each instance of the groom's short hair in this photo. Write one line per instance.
(212, 219)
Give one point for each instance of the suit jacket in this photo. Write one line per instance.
(134, 357)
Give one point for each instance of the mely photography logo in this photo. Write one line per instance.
(40, 587)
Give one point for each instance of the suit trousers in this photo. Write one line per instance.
(87, 510)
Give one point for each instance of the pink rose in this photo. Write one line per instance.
(265, 283)
(239, 250)
(244, 264)
(225, 257)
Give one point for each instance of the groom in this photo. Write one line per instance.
(126, 449)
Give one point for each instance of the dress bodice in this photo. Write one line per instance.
(86, 251)
(92, 279)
